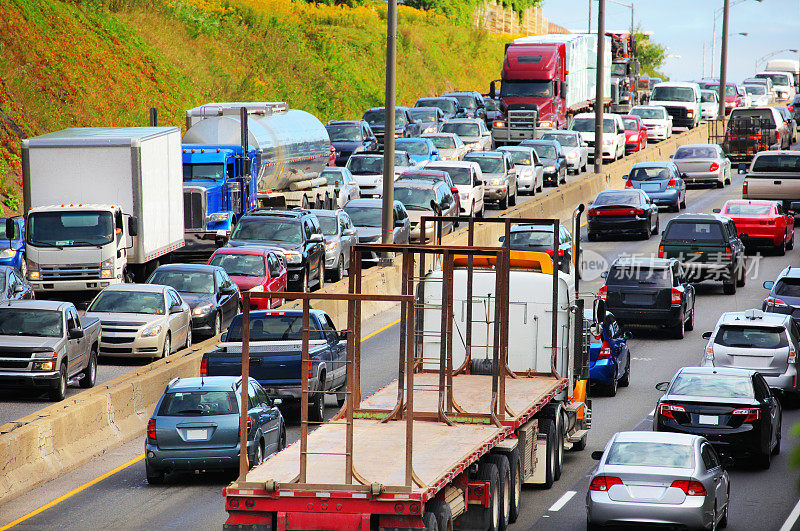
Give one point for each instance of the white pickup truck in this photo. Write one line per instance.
(774, 175)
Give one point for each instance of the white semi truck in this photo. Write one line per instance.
(103, 205)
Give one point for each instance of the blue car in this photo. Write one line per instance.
(419, 149)
(350, 136)
(609, 357)
(195, 426)
(12, 249)
(662, 181)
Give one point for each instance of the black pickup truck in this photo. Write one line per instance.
(275, 356)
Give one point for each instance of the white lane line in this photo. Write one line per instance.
(793, 516)
(562, 501)
(652, 413)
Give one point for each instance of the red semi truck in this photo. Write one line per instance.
(484, 416)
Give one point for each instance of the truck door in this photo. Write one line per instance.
(76, 353)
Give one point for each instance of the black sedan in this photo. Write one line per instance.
(733, 408)
(622, 212)
(13, 285)
(214, 298)
(552, 157)
(650, 291)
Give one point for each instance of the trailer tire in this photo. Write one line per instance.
(548, 428)
(516, 484)
(556, 414)
(504, 486)
(491, 515)
(429, 521)
(443, 514)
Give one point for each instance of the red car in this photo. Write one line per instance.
(734, 97)
(253, 269)
(635, 133)
(764, 222)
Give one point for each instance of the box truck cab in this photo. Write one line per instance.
(786, 65)
(682, 101)
(782, 84)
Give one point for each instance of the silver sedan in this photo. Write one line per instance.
(703, 163)
(658, 478)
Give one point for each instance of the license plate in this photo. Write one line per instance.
(708, 419)
(196, 435)
(651, 187)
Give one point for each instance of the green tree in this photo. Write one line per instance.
(651, 56)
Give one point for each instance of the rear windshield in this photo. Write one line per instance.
(746, 210)
(443, 142)
(413, 147)
(712, 385)
(751, 337)
(758, 90)
(651, 454)
(761, 114)
(532, 238)
(564, 140)
(695, 153)
(272, 328)
(788, 287)
(776, 164)
(694, 231)
(637, 275)
(649, 113)
(617, 198)
(199, 403)
(631, 124)
(657, 173)
(458, 175)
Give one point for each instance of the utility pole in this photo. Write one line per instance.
(599, 90)
(388, 132)
(589, 28)
(723, 66)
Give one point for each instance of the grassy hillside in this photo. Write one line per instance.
(105, 62)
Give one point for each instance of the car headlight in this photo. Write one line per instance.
(331, 245)
(572, 155)
(44, 366)
(498, 182)
(549, 169)
(474, 145)
(218, 216)
(293, 257)
(153, 330)
(202, 310)
(608, 141)
(430, 129)
(107, 268)
(547, 124)
(8, 253)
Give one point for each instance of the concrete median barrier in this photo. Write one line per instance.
(63, 436)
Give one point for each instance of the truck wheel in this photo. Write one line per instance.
(90, 372)
(780, 250)
(516, 485)
(548, 429)
(503, 487)
(154, 476)
(443, 514)
(59, 391)
(316, 409)
(429, 521)
(555, 413)
(491, 515)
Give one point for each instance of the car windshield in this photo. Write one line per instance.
(586, 125)
(491, 105)
(788, 287)
(462, 129)
(70, 229)
(415, 198)
(488, 164)
(268, 229)
(672, 94)
(447, 106)
(532, 238)
(333, 177)
(364, 216)
(544, 151)
(751, 337)
(240, 265)
(365, 165)
(756, 90)
(616, 197)
(777, 79)
(521, 89)
(375, 117)
(423, 115)
(748, 209)
(636, 275)
(271, 328)
(4, 236)
(329, 225)
(198, 403)
(184, 281)
(694, 231)
(465, 100)
(443, 142)
(688, 152)
(344, 133)
(712, 385)
(654, 173)
(196, 171)
(415, 147)
(520, 157)
(774, 164)
(708, 97)
(656, 454)
(649, 114)
(457, 175)
(564, 140)
(730, 90)
(24, 322)
(631, 124)
(124, 301)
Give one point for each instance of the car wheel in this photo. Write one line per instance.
(154, 476)
(167, 350)
(777, 449)
(690, 321)
(316, 409)
(625, 381)
(189, 336)
(592, 236)
(683, 203)
(59, 391)
(320, 274)
(790, 244)
(503, 204)
(656, 229)
(646, 233)
(89, 374)
(676, 207)
(304, 281)
(258, 458)
(720, 184)
(611, 388)
(338, 273)
(765, 460)
(723, 522)
(341, 396)
(282, 440)
(217, 326)
(679, 331)
(780, 250)
(512, 200)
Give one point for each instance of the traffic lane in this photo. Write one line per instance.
(655, 357)
(186, 500)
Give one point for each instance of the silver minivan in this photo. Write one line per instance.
(757, 340)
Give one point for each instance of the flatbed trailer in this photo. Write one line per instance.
(453, 453)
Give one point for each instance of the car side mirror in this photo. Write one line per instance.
(597, 455)
(604, 274)
(627, 335)
(349, 232)
(478, 182)
(175, 308)
(398, 223)
(224, 337)
(662, 386)
(672, 156)
(133, 226)
(716, 210)
(75, 333)
(316, 238)
(768, 284)
(277, 402)
(707, 335)
(19, 288)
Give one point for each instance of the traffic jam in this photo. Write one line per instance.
(197, 235)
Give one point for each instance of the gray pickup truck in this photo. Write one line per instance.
(45, 344)
(773, 175)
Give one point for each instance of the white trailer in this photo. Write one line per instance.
(103, 205)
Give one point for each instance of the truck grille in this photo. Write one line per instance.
(70, 272)
(7, 364)
(676, 112)
(194, 216)
(522, 119)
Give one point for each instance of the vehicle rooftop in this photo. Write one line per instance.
(452, 164)
(761, 318)
(688, 216)
(656, 436)
(731, 371)
(365, 202)
(189, 267)
(36, 305)
(633, 261)
(493, 154)
(320, 213)
(653, 164)
(205, 383)
(148, 288)
(245, 249)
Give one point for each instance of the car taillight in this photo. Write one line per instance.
(592, 212)
(777, 136)
(638, 212)
(204, 365)
(690, 487)
(791, 107)
(792, 355)
(776, 302)
(603, 483)
(454, 190)
(744, 188)
(668, 410)
(714, 167)
(550, 252)
(728, 253)
(602, 292)
(661, 251)
(605, 351)
(249, 425)
(677, 297)
(751, 414)
(628, 184)
(672, 183)
(151, 431)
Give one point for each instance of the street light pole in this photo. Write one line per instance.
(723, 66)
(388, 131)
(600, 88)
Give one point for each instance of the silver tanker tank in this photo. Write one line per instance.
(292, 146)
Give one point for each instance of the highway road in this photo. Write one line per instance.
(112, 492)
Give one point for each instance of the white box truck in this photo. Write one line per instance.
(102, 205)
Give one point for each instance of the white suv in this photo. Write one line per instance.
(613, 147)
